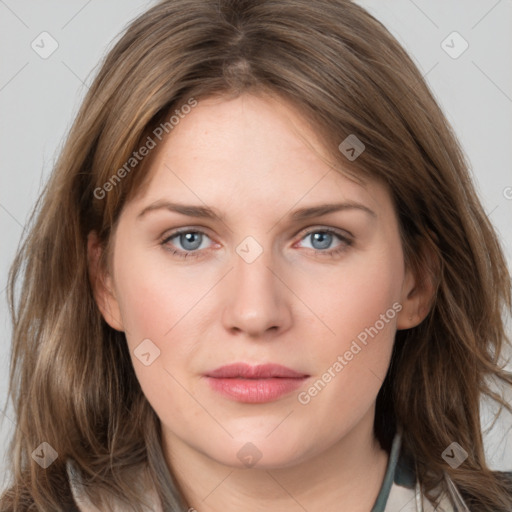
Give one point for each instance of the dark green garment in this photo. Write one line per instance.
(398, 472)
(401, 492)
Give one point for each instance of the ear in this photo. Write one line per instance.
(418, 290)
(102, 284)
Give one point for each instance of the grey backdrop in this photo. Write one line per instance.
(50, 51)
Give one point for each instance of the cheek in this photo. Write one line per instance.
(151, 296)
(144, 311)
(154, 304)
(353, 295)
(358, 304)
(159, 304)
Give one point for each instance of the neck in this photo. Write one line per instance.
(346, 476)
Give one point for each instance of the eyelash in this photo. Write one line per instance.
(346, 243)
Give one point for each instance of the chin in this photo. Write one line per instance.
(260, 452)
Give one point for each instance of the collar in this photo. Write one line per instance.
(84, 504)
(399, 491)
(391, 473)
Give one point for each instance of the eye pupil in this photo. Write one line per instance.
(323, 238)
(190, 240)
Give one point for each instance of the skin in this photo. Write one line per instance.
(255, 160)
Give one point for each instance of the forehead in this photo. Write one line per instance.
(249, 152)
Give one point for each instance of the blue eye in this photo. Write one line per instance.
(191, 242)
(322, 239)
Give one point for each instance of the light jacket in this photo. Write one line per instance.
(400, 492)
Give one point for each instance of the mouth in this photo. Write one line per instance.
(255, 384)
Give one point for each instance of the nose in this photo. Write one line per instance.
(257, 300)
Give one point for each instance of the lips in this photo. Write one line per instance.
(255, 384)
(262, 371)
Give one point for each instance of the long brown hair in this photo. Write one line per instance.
(72, 382)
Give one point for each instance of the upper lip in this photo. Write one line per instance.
(261, 371)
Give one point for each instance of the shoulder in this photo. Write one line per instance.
(506, 478)
(406, 494)
(411, 499)
(83, 503)
(505, 475)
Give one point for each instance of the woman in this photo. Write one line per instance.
(259, 278)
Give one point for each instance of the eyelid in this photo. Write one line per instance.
(319, 227)
(303, 232)
(345, 236)
(187, 229)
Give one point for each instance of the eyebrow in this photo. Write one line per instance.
(184, 209)
(298, 215)
(324, 209)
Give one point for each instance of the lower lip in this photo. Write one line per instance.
(255, 391)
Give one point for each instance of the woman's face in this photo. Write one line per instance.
(262, 274)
